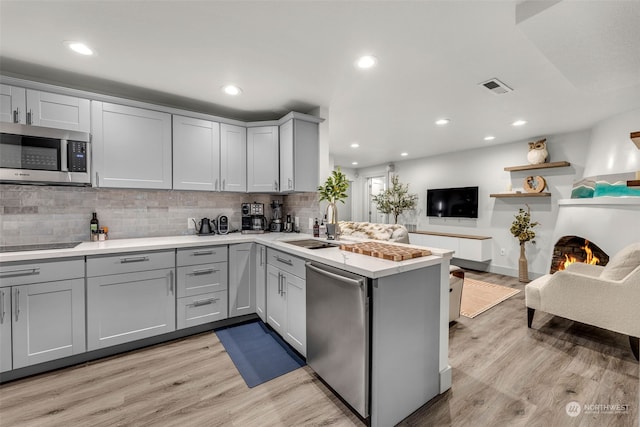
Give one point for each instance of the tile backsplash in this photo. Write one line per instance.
(48, 214)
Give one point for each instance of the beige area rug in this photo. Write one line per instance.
(478, 296)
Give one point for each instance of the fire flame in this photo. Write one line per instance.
(570, 259)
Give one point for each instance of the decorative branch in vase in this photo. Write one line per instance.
(395, 199)
(522, 229)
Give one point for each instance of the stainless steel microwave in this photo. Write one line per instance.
(39, 155)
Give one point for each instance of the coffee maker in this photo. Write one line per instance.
(253, 219)
(276, 223)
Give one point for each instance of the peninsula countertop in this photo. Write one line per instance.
(356, 263)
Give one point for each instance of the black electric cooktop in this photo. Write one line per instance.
(38, 247)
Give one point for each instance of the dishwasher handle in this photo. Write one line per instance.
(356, 282)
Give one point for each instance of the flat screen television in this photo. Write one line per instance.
(453, 202)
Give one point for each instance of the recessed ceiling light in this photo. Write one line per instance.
(80, 48)
(355, 145)
(232, 90)
(366, 61)
(442, 122)
(519, 123)
(489, 138)
(404, 154)
(354, 163)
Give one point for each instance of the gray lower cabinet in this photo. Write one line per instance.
(42, 316)
(6, 363)
(261, 282)
(202, 285)
(242, 287)
(129, 297)
(286, 298)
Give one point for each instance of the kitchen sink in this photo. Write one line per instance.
(312, 244)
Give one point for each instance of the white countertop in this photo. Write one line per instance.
(356, 263)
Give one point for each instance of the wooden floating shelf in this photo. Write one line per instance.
(633, 183)
(539, 166)
(505, 195)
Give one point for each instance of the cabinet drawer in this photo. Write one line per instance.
(201, 309)
(202, 279)
(129, 263)
(202, 255)
(42, 271)
(286, 262)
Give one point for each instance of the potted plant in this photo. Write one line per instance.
(334, 190)
(395, 199)
(522, 229)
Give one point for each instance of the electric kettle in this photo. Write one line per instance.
(203, 226)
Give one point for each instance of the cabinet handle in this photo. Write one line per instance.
(22, 272)
(17, 301)
(16, 115)
(290, 184)
(204, 271)
(224, 183)
(284, 261)
(275, 185)
(29, 117)
(261, 256)
(204, 302)
(134, 259)
(171, 282)
(198, 253)
(97, 180)
(1, 307)
(284, 284)
(279, 283)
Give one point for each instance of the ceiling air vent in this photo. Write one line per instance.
(496, 86)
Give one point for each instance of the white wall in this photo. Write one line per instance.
(484, 167)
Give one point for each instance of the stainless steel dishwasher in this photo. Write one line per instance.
(338, 332)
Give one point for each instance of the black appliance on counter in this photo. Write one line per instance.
(223, 224)
(253, 219)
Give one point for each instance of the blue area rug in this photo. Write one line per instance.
(259, 353)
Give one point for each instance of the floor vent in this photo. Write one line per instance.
(496, 86)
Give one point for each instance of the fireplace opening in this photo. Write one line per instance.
(570, 249)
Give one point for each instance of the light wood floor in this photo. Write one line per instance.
(504, 374)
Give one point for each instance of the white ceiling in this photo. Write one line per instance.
(571, 63)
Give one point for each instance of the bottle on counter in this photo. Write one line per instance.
(316, 229)
(323, 227)
(94, 227)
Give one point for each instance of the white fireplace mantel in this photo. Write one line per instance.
(610, 222)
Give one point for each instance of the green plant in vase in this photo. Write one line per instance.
(522, 229)
(334, 190)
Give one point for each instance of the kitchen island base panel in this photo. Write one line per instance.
(405, 353)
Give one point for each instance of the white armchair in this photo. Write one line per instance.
(607, 297)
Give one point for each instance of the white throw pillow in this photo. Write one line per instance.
(622, 263)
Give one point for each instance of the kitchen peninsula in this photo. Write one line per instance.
(409, 326)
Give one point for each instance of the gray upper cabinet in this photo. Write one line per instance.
(34, 107)
(131, 147)
(263, 173)
(196, 154)
(299, 144)
(233, 158)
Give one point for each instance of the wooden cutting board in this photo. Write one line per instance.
(385, 250)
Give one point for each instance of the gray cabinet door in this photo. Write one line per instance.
(5, 330)
(261, 281)
(131, 306)
(48, 321)
(57, 111)
(299, 143)
(242, 291)
(276, 309)
(262, 160)
(296, 303)
(196, 154)
(13, 104)
(131, 147)
(233, 158)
